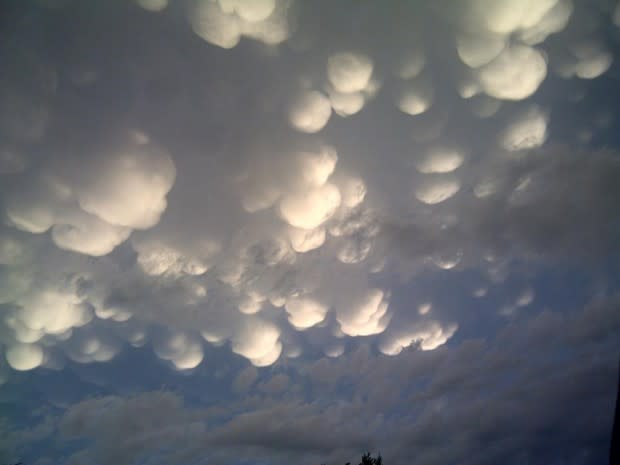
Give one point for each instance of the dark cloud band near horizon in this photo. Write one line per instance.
(268, 231)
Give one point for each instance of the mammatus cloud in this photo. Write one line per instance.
(310, 112)
(527, 131)
(515, 74)
(258, 341)
(224, 23)
(305, 312)
(24, 356)
(128, 187)
(349, 72)
(288, 231)
(434, 190)
(153, 5)
(311, 208)
(127, 428)
(328, 211)
(93, 208)
(429, 335)
(365, 314)
(440, 160)
(184, 351)
(416, 96)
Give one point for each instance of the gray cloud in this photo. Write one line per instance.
(267, 220)
(505, 398)
(348, 219)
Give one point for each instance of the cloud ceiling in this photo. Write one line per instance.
(291, 206)
(277, 178)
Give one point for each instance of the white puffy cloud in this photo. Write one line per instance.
(504, 17)
(484, 106)
(93, 206)
(527, 130)
(476, 51)
(210, 22)
(87, 234)
(251, 304)
(411, 64)
(35, 210)
(354, 250)
(21, 332)
(364, 314)
(24, 357)
(153, 5)
(266, 241)
(349, 71)
(553, 21)
(51, 311)
(224, 22)
(436, 190)
(115, 313)
(346, 104)
(425, 308)
(416, 96)
(440, 160)
(304, 240)
(310, 209)
(257, 269)
(447, 260)
(468, 87)
(182, 349)
(88, 346)
(268, 179)
(515, 74)
(585, 59)
(480, 292)
(157, 258)
(525, 298)
(127, 186)
(486, 187)
(249, 10)
(259, 197)
(316, 167)
(428, 334)
(310, 112)
(334, 351)
(258, 220)
(352, 190)
(305, 312)
(258, 341)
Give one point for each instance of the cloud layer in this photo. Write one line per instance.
(281, 192)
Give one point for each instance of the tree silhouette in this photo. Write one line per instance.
(368, 459)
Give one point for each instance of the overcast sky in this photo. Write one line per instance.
(291, 231)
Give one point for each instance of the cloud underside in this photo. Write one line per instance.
(291, 231)
(288, 188)
(414, 398)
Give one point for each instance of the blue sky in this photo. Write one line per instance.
(290, 231)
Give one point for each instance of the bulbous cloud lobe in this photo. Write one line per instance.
(288, 187)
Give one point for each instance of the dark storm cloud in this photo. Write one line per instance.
(560, 203)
